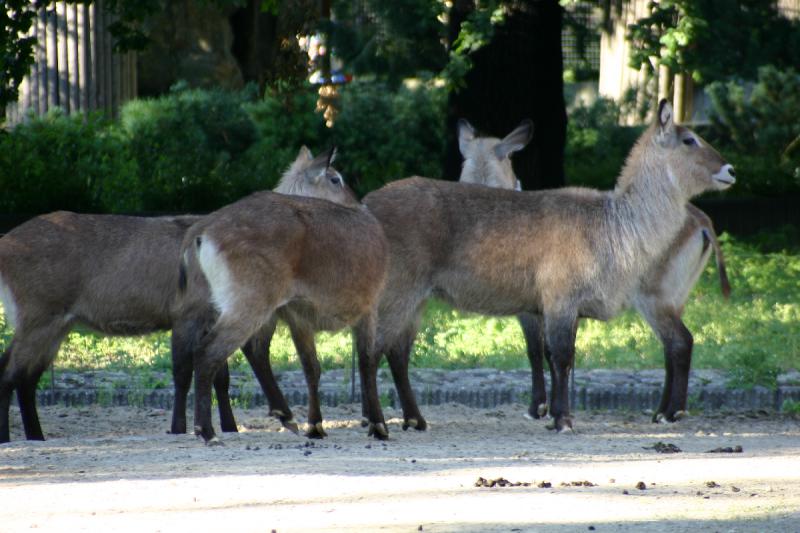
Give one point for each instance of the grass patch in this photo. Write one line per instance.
(754, 335)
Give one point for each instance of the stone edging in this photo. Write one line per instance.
(483, 387)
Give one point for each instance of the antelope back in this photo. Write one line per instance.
(314, 177)
(487, 160)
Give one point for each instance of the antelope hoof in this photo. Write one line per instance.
(315, 431)
(659, 418)
(679, 415)
(561, 424)
(214, 441)
(364, 422)
(378, 431)
(541, 410)
(291, 425)
(417, 423)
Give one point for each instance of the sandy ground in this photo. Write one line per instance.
(115, 469)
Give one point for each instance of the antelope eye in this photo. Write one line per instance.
(336, 180)
(689, 141)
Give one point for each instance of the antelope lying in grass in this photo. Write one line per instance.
(317, 265)
(117, 275)
(560, 254)
(660, 297)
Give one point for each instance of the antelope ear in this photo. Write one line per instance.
(466, 134)
(332, 153)
(318, 165)
(665, 115)
(516, 140)
(304, 154)
(665, 131)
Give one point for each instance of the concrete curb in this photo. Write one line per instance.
(485, 388)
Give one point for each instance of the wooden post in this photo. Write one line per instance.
(81, 20)
(33, 75)
(97, 48)
(115, 80)
(62, 59)
(52, 59)
(74, 58)
(91, 56)
(683, 97)
(108, 64)
(42, 62)
(134, 75)
(663, 82)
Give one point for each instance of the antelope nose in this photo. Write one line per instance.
(726, 176)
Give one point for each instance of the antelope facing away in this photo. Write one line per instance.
(560, 254)
(117, 275)
(317, 265)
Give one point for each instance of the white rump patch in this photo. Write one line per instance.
(9, 305)
(218, 275)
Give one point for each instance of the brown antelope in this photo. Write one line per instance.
(561, 254)
(317, 265)
(660, 297)
(307, 176)
(115, 274)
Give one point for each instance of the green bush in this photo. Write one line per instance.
(758, 130)
(384, 136)
(63, 162)
(197, 150)
(187, 144)
(284, 123)
(597, 145)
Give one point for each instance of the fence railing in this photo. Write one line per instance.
(75, 67)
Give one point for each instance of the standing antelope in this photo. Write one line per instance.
(317, 265)
(660, 297)
(561, 254)
(115, 274)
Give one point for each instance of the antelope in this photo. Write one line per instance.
(117, 275)
(560, 254)
(314, 264)
(660, 297)
(307, 176)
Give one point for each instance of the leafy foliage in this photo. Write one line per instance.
(761, 128)
(597, 145)
(195, 150)
(64, 162)
(187, 145)
(390, 40)
(474, 33)
(16, 51)
(713, 39)
(385, 135)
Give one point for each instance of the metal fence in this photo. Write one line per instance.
(75, 67)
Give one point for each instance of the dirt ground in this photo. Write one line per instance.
(115, 469)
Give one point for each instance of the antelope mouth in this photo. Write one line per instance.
(726, 176)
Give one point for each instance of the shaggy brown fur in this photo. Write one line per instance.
(115, 274)
(562, 254)
(319, 265)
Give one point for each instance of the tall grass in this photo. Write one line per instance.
(754, 334)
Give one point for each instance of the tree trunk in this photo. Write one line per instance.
(517, 75)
